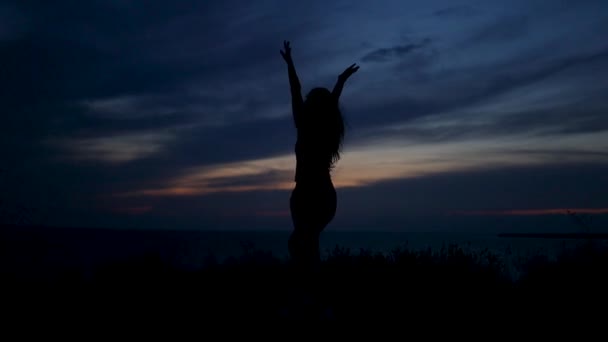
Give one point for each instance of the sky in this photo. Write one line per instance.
(464, 115)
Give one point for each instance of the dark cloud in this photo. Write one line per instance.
(557, 154)
(549, 122)
(572, 119)
(502, 29)
(418, 204)
(73, 54)
(103, 77)
(479, 84)
(13, 23)
(455, 11)
(74, 71)
(269, 177)
(213, 145)
(510, 77)
(395, 52)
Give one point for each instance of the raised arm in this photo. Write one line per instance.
(342, 79)
(297, 103)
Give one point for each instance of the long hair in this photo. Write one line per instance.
(323, 114)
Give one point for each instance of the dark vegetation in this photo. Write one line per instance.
(449, 283)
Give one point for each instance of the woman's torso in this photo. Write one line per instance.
(313, 164)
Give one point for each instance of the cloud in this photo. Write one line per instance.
(395, 52)
(176, 96)
(160, 89)
(181, 108)
(388, 159)
(112, 149)
(251, 175)
(483, 89)
(503, 29)
(125, 107)
(13, 23)
(544, 126)
(411, 204)
(502, 188)
(456, 11)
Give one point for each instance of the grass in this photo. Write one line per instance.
(347, 285)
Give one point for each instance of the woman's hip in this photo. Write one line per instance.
(313, 202)
(325, 193)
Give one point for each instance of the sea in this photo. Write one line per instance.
(44, 251)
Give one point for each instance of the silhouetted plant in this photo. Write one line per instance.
(404, 282)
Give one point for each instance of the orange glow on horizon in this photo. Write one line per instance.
(530, 212)
(364, 165)
(196, 191)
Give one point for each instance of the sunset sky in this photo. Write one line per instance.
(464, 115)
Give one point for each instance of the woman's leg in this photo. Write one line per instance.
(304, 247)
(293, 243)
(311, 211)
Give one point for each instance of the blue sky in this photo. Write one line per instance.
(159, 114)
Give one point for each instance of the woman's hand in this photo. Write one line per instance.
(342, 79)
(348, 72)
(287, 53)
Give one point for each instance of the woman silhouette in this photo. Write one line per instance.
(320, 131)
